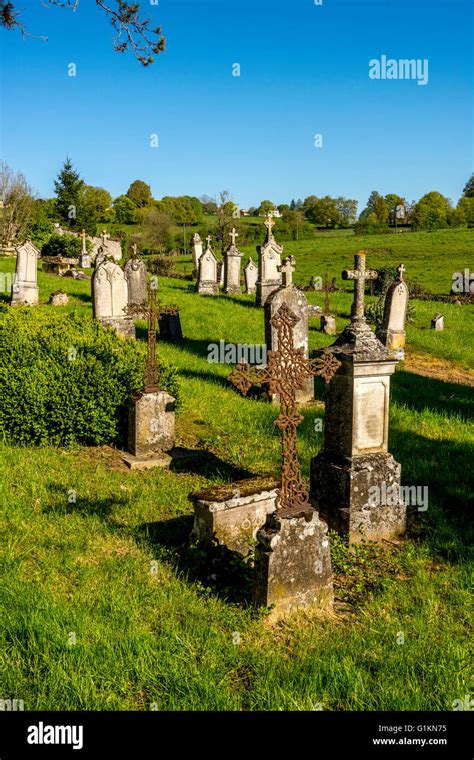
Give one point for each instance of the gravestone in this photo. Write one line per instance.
(196, 250)
(355, 460)
(292, 557)
(170, 324)
(151, 419)
(392, 331)
(135, 274)
(437, 323)
(25, 283)
(297, 302)
(269, 261)
(110, 298)
(110, 248)
(328, 320)
(207, 282)
(84, 258)
(250, 274)
(232, 261)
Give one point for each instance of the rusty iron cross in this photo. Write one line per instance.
(286, 371)
(151, 311)
(359, 274)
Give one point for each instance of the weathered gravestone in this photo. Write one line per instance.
(232, 261)
(250, 274)
(25, 283)
(292, 557)
(110, 298)
(437, 323)
(196, 250)
(207, 283)
(269, 261)
(297, 302)
(151, 419)
(135, 274)
(85, 257)
(328, 320)
(353, 478)
(392, 331)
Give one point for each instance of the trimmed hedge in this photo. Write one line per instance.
(66, 379)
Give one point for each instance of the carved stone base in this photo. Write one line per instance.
(124, 326)
(345, 491)
(151, 423)
(293, 565)
(394, 340)
(25, 294)
(208, 288)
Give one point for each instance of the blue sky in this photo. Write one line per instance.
(304, 71)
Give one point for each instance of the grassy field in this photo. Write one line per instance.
(104, 607)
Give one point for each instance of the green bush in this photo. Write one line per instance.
(63, 245)
(66, 379)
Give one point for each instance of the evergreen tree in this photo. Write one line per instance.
(468, 191)
(68, 187)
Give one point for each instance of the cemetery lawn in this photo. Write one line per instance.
(103, 608)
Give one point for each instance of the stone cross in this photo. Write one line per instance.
(269, 224)
(359, 274)
(105, 236)
(326, 289)
(83, 236)
(287, 270)
(234, 234)
(286, 371)
(208, 240)
(400, 270)
(134, 250)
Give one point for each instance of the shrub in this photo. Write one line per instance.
(161, 265)
(63, 245)
(67, 379)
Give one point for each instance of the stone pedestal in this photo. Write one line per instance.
(232, 514)
(328, 324)
(151, 424)
(293, 565)
(123, 326)
(85, 261)
(355, 455)
(170, 328)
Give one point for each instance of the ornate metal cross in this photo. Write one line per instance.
(287, 270)
(285, 373)
(234, 234)
(360, 274)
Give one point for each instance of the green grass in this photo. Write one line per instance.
(153, 629)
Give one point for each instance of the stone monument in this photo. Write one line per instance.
(196, 250)
(269, 261)
(84, 258)
(232, 261)
(110, 298)
(25, 283)
(392, 332)
(354, 461)
(207, 283)
(135, 274)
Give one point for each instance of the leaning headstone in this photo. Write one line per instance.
(232, 261)
(250, 274)
(353, 478)
(392, 331)
(269, 261)
(25, 283)
(85, 257)
(135, 274)
(110, 298)
(196, 250)
(151, 419)
(292, 557)
(437, 323)
(207, 282)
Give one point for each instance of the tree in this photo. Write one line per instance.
(40, 226)
(431, 212)
(94, 207)
(132, 32)
(140, 193)
(183, 209)
(209, 206)
(347, 210)
(266, 208)
(69, 246)
(468, 191)
(322, 212)
(376, 205)
(466, 206)
(158, 230)
(68, 187)
(124, 210)
(17, 210)
(227, 216)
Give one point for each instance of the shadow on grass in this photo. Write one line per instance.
(207, 464)
(214, 569)
(66, 501)
(239, 301)
(421, 393)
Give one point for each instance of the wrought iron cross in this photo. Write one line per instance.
(285, 373)
(360, 274)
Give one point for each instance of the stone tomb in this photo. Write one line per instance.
(110, 298)
(207, 283)
(355, 457)
(392, 332)
(269, 261)
(25, 283)
(250, 275)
